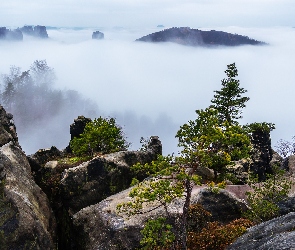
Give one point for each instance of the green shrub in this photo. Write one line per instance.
(265, 196)
(157, 234)
(101, 135)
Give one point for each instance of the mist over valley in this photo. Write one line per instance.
(152, 89)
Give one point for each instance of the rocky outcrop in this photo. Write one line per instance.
(26, 219)
(7, 34)
(195, 37)
(37, 31)
(95, 180)
(101, 227)
(276, 234)
(42, 156)
(97, 35)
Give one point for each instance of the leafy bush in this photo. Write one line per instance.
(217, 237)
(157, 234)
(262, 200)
(101, 135)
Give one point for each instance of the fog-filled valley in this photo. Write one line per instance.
(152, 89)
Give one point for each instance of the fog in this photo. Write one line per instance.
(152, 89)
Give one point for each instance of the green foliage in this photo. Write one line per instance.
(217, 237)
(157, 234)
(263, 127)
(212, 144)
(265, 196)
(215, 188)
(169, 179)
(229, 100)
(101, 135)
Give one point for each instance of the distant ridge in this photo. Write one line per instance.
(195, 37)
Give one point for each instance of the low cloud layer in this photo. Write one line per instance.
(152, 89)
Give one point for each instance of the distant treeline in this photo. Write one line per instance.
(31, 97)
(195, 37)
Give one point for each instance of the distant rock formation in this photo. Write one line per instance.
(37, 31)
(97, 35)
(7, 34)
(195, 37)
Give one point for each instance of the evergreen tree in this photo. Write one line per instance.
(229, 100)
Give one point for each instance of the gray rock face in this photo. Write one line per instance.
(26, 219)
(95, 180)
(276, 234)
(228, 209)
(101, 227)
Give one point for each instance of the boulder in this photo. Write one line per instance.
(97, 35)
(276, 234)
(26, 219)
(42, 156)
(101, 227)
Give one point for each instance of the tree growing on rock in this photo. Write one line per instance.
(213, 140)
(101, 135)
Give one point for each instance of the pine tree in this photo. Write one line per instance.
(229, 100)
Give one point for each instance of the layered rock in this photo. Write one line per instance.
(95, 180)
(26, 219)
(276, 234)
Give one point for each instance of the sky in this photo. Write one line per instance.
(152, 89)
(110, 13)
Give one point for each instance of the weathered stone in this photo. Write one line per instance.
(261, 153)
(7, 128)
(26, 219)
(276, 234)
(228, 209)
(239, 171)
(101, 227)
(42, 156)
(291, 164)
(93, 181)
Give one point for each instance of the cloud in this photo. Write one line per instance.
(152, 89)
(110, 13)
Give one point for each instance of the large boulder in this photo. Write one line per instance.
(95, 180)
(276, 234)
(26, 219)
(101, 227)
